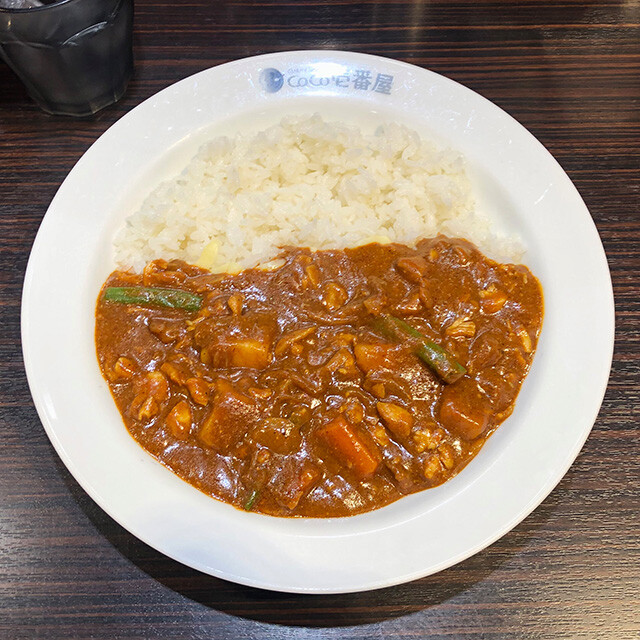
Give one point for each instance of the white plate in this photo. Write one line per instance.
(526, 191)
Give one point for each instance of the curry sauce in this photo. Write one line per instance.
(304, 389)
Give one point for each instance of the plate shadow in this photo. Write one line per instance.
(297, 610)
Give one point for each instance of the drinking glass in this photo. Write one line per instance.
(75, 57)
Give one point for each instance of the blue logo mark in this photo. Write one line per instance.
(271, 80)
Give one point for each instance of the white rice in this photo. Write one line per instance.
(304, 182)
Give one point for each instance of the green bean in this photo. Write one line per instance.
(437, 358)
(154, 297)
(251, 500)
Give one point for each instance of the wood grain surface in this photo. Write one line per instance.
(569, 71)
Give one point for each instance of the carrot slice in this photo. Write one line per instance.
(350, 446)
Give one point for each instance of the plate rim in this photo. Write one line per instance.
(88, 486)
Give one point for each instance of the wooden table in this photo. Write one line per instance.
(569, 72)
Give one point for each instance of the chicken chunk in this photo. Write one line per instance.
(294, 480)
(229, 420)
(396, 418)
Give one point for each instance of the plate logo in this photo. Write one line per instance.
(271, 80)
(325, 75)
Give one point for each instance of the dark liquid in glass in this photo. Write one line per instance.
(78, 73)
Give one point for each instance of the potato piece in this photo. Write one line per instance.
(252, 354)
(375, 356)
(464, 410)
(396, 418)
(350, 446)
(236, 341)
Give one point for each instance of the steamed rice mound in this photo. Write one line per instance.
(304, 182)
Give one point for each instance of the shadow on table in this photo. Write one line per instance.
(307, 610)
